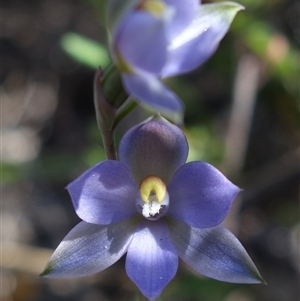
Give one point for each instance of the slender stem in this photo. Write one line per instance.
(109, 144)
(126, 110)
(109, 70)
(105, 114)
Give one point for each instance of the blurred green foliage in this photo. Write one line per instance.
(87, 52)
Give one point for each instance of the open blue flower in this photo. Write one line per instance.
(153, 39)
(156, 208)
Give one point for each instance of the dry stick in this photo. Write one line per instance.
(244, 96)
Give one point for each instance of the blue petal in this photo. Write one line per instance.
(185, 12)
(155, 147)
(104, 194)
(151, 91)
(151, 260)
(89, 249)
(201, 38)
(200, 195)
(141, 41)
(116, 10)
(215, 253)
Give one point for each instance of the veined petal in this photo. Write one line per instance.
(141, 41)
(200, 195)
(151, 260)
(153, 148)
(185, 12)
(151, 91)
(201, 38)
(104, 194)
(89, 249)
(215, 253)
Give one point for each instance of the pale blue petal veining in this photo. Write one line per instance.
(89, 249)
(104, 194)
(152, 260)
(200, 195)
(214, 252)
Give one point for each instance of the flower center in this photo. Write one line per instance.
(153, 199)
(152, 189)
(154, 7)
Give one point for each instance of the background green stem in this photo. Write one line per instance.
(124, 112)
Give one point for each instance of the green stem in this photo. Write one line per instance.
(109, 145)
(107, 85)
(105, 114)
(125, 111)
(107, 72)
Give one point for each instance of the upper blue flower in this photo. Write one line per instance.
(153, 39)
(154, 206)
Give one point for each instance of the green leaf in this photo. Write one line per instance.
(85, 51)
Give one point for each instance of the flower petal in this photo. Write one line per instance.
(116, 10)
(141, 41)
(151, 260)
(155, 147)
(200, 195)
(89, 249)
(185, 12)
(215, 253)
(201, 38)
(150, 90)
(104, 194)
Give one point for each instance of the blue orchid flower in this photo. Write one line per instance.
(156, 208)
(154, 39)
